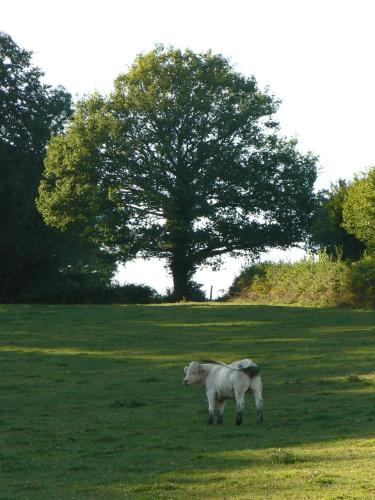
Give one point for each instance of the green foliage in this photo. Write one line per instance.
(130, 294)
(78, 273)
(30, 110)
(321, 282)
(93, 406)
(182, 161)
(37, 263)
(327, 232)
(87, 286)
(363, 280)
(312, 282)
(194, 293)
(359, 209)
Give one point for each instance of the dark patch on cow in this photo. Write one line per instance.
(251, 371)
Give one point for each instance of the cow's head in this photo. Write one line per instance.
(194, 373)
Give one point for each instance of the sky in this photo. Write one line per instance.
(317, 56)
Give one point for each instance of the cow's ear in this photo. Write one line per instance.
(185, 369)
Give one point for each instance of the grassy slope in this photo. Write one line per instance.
(92, 403)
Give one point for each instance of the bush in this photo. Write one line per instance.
(80, 289)
(318, 282)
(132, 294)
(194, 293)
(363, 280)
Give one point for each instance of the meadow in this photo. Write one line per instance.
(92, 403)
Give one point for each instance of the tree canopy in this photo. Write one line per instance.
(327, 231)
(33, 257)
(183, 160)
(30, 110)
(359, 208)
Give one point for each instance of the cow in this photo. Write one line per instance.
(225, 382)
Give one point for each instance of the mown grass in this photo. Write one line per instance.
(92, 403)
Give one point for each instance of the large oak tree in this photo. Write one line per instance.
(182, 161)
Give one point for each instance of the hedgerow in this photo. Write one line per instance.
(313, 281)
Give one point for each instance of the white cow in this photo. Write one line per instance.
(225, 382)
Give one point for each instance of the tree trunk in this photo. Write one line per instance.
(181, 277)
(179, 227)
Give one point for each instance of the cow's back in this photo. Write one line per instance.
(220, 379)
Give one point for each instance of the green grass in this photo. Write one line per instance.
(92, 403)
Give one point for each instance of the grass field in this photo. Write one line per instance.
(92, 403)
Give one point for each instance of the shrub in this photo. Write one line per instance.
(132, 294)
(310, 281)
(194, 293)
(79, 290)
(318, 282)
(363, 280)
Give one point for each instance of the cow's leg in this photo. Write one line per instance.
(240, 406)
(211, 406)
(256, 387)
(221, 407)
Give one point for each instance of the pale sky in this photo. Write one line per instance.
(317, 56)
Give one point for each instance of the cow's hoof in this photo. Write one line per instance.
(210, 421)
(239, 418)
(220, 419)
